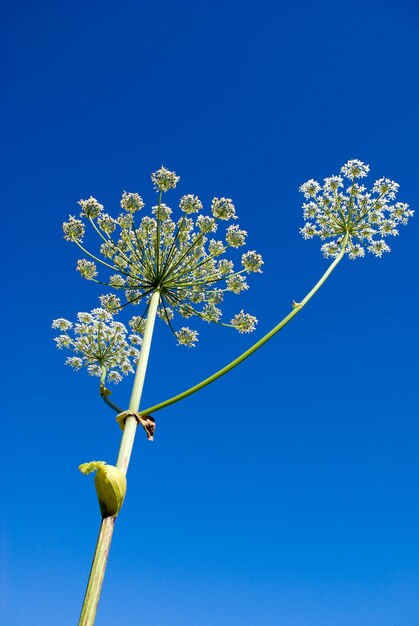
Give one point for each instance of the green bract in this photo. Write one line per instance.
(110, 484)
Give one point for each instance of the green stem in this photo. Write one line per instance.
(296, 309)
(183, 255)
(105, 392)
(110, 404)
(112, 267)
(97, 572)
(131, 423)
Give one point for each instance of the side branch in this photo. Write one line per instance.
(297, 307)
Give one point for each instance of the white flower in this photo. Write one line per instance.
(310, 189)
(166, 314)
(61, 324)
(117, 281)
(87, 269)
(360, 217)
(244, 322)
(355, 169)
(75, 362)
(163, 179)
(110, 302)
(100, 344)
(252, 261)
(215, 248)
(115, 377)
(206, 224)
(175, 256)
(162, 212)
(131, 202)
(400, 212)
(186, 337)
(378, 248)
(135, 340)
(330, 250)
(73, 229)
(223, 209)
(90, 208)
(237, 283)
(386, 187)
(235, 237)
(190, 204)
(308, 231)
(333, 183)
(210, 313)
(106, 223)
(357, 251)
(85, 318)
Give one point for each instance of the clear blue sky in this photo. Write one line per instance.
(286, 493)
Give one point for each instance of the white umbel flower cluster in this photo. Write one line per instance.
(99, 343)
(338, 208)
(180, 258)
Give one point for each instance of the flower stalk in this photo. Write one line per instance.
(297, 307)
(131, 423)
(97, 572)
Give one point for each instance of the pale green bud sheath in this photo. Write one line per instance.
(97, 572)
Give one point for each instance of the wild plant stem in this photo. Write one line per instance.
(97, 572)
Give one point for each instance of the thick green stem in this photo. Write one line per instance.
(97, 572)
(131, 423)
(296, 309)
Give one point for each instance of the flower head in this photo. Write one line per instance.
(163, 179)
(244, 322)
(178, 257)
(73, 229)
(355, 169)
(100, 344)
(361, 218)
(90, 208)
(186, 337)
(190, 204)
(223, 208)
(131, 202)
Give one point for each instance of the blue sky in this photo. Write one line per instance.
(285, 493)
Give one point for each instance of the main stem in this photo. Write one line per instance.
(97, 572)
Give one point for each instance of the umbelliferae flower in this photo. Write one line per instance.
(334, 211)
(100, 344)
(181, 259)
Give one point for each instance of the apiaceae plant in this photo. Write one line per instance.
(181, 267)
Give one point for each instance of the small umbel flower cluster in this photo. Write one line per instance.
(100, 343)
(363, 218)
(184, 259)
